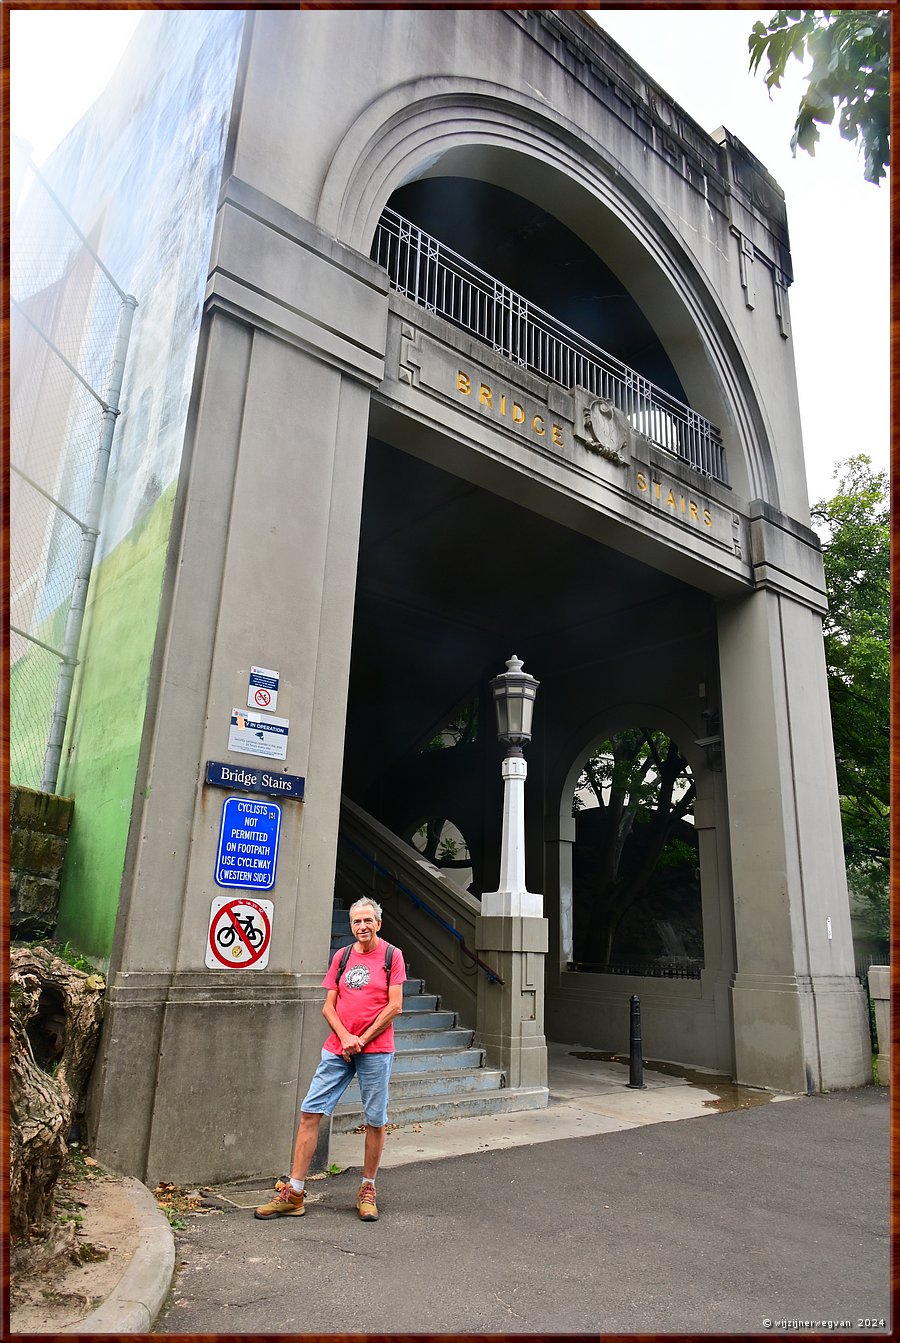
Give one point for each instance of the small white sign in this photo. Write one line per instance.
(240, 934)
(262, 692)
(255, 734)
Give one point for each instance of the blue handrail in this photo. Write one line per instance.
(492, 975)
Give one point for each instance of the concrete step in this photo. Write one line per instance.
(424, 1020)
(447, 1083)
(439, 1039)
(436, 1060)
(419, 1002)
(424, 1109)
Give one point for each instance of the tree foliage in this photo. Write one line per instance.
(460, 730)
(849, 75)
(855, 530)
(639, 780)
(436, 842)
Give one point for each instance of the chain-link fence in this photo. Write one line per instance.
(69, 327)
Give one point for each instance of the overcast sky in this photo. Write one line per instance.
(839, 224)
(61, 60)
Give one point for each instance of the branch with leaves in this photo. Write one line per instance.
(855, 530)
(849, 76)
(638, 778)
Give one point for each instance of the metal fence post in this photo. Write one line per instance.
(70, 323)
(636, 1057)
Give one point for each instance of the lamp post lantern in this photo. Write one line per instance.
(514, 691)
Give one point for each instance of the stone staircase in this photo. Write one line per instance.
(438, 1073)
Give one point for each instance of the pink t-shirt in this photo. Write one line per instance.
(362, 994)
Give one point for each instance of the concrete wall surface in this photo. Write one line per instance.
(140, 176)
(262, 574)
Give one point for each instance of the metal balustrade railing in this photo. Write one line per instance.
(645, 970)
(441, 281)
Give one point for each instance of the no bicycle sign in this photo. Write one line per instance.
(240, 933)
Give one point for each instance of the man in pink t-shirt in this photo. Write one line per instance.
(360, 1007)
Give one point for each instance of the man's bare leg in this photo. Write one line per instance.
(305, 1145)
(374, 1147)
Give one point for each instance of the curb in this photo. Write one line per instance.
(138, 1296)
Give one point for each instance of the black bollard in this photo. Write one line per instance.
(636, 1057)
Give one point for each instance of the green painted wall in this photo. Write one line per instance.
(101, 753)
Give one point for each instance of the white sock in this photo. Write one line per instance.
(297, 1185)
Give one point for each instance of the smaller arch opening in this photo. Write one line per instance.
(636, 897)
(442, 842)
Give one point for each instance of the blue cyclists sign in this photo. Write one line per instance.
(247, 856)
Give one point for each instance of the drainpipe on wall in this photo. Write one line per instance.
(89, 534)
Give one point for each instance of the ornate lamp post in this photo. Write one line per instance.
(511, 929)
(514, 691)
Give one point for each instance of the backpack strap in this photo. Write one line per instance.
(342, 965)
(345, 956)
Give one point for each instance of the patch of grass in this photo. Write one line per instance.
(65, 951)
(80, 1166)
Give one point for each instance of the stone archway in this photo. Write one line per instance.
(476, 130)
(690, 1011)
(636, 868)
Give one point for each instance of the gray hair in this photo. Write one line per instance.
(365, 901)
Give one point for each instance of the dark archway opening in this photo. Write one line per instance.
(529, 250)
(636, 863)
(439, 609)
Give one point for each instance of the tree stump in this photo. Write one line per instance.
(55, 1016)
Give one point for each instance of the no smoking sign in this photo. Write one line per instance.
(240, 934)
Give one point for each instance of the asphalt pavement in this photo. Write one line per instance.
(766, 1218)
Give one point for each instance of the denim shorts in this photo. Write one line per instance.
(333, 1076)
